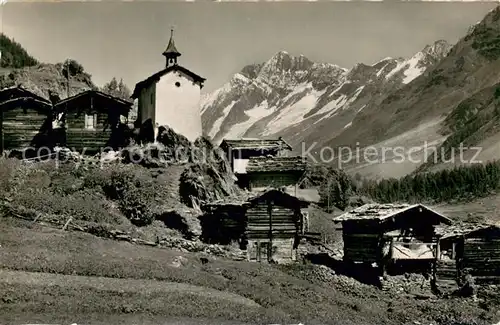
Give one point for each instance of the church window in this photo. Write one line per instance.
(177, 84)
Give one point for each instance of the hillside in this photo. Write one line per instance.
(18, 67)
(14, 55)
(45, 77)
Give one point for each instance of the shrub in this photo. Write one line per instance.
(8, 168)
(132, 186)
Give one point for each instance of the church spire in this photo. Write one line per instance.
(171, 53)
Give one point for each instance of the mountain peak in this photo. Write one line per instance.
(284, 61)
(281, 53)
(438, 49)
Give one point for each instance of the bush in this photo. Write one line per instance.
(131, 185)
(84, 194)
(8, 168)
(83, 205)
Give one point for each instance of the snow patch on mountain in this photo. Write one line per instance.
(410, 68)
(342, 102)
(254, 114)
(218, 122)
(294, 113)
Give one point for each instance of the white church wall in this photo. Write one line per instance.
(177, 104)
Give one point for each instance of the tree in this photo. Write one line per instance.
(73, 67)
(117, 89)
(14, 55)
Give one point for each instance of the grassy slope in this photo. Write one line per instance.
(485, 209)
(284, 293)
(474, 123)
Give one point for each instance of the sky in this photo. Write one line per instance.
(126, 39)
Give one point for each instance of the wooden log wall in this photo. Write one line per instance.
(362, 241)
(223, 224)
(482, 258)
(78, 138)
(20, 126)
(272, 179)
(446, 275)
(284, 222)
(283, 251)
(362, 247)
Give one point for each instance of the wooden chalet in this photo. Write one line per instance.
(388, 234)
(268, 225)
(467, 249)
(91, 121)
(239, 151)
(25, 120)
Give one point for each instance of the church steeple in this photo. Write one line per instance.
(171, 54)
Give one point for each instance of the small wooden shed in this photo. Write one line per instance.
(468, 249)
(268, 225)
(388, 233)
(25, 123)
(91, 121)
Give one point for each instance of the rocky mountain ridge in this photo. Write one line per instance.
(294, 97)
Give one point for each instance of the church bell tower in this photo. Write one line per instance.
(171, 54)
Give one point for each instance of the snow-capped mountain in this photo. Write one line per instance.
(294, 97)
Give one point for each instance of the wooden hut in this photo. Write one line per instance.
(91, 121)
(390, 234)
(274, 223)
(468, 249)
(25, 124)
(268, 225)
(238, 151)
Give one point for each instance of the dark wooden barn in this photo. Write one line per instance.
(92, 121)
(239, 151)
(388, 234)
(268, 225)
(25, 124)
(274, 223)
(468, 249)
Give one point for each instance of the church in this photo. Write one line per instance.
(171, 97)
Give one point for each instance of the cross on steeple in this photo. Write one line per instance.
(171, 53)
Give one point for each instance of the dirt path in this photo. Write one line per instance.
(117, 285)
